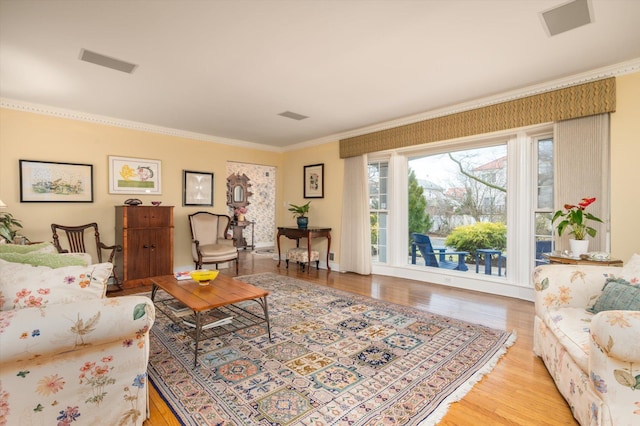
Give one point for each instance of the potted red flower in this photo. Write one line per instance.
(574, 218)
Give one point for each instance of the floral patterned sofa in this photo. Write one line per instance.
(587, 332)
(68, 354)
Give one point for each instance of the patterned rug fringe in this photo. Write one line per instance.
(335, 358)
(437, 415)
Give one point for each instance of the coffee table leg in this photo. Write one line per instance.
(198, 326)
(154, 290)
(265, 309)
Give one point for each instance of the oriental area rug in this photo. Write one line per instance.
(335, 358)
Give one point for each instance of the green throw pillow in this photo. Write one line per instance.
(51, 260)
(45, 247)
(617, 294)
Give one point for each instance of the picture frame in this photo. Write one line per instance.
(197, 188)
(129, 175)
(314, 181)
(55, 182)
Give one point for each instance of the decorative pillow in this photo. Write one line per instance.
(28, 286)
(45, 247)
(631, 270)
(52, 260)
(617, 294)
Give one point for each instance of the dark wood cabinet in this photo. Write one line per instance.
(146, 236)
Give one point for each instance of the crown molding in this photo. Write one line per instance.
(615, 70)
(132, 125)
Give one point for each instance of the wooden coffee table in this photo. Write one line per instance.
(223, 292)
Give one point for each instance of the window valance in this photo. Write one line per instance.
(581, 100)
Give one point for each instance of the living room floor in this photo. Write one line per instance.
(519, 391)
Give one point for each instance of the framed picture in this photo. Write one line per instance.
(314, 181)
(51, 182)
(197, 188)
(134, 176)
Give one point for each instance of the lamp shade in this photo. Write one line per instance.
(2, 205)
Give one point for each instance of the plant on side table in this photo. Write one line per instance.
(575, 219)
(300, 213)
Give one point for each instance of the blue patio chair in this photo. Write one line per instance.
(443, 260)
(542, 246)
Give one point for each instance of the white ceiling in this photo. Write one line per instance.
(228, 68)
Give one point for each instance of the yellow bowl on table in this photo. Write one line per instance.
(203, 276)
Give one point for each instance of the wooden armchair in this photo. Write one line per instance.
(423, 243)
(76, 243)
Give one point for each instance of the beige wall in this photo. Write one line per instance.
(40, 137)
(625, 161)
(324, 212)
(31, 136)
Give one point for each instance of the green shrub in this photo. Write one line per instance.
(481, 235)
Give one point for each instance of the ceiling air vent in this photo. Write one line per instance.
(568, 16)
(293, 115)
(106, 61)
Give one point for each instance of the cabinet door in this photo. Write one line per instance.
(161, 252)
(139, 253)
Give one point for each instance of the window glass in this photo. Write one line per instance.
(378, 209)
(459, 200)
(543, 205)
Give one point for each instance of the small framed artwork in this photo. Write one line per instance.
(197, 188)
(134, 176)
(52, 182)
(314, 181)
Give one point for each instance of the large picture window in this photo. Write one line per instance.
(484, 204)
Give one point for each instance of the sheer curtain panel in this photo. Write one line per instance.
(355, 240)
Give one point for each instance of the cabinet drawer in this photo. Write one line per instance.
(146, 216)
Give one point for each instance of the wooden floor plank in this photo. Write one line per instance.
(519, 391)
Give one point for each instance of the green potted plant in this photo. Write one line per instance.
(575, 219)
(8, 225)
(300, 213)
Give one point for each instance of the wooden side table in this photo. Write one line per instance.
(553, 258)
(308, 233)
(240, 240)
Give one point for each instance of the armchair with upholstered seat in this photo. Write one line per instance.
(209, 241)
(423, 244)
(76, 244)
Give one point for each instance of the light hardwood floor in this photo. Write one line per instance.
(519, 391)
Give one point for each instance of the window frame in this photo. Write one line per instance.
(517, 283)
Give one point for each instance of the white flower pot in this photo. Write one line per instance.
(578, 247)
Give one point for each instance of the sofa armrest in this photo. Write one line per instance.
(614, 356)
(568, 285)
(616, 334)
(31, 333)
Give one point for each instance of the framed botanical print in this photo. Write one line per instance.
(134, 176)
(314, 181)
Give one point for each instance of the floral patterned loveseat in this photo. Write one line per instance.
(587, 332)
(68, 354)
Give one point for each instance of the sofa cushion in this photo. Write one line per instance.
(45, 247)
(617, 294)
(52, 260)
(571, 328)
(631, 270)
(24, 285)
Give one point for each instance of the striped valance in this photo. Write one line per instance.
(562, 104)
